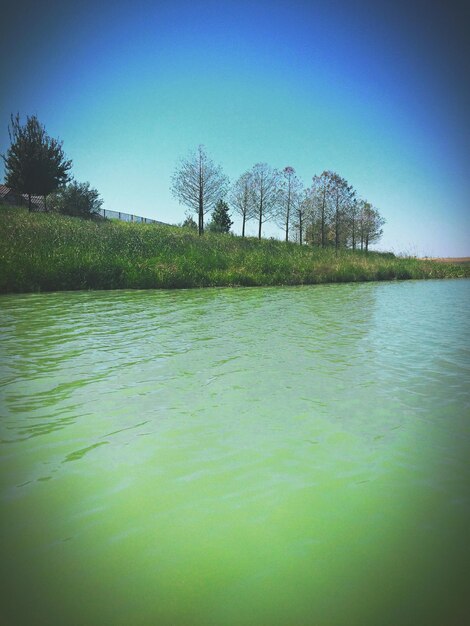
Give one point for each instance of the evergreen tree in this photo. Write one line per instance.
(221, 222)
(189, 223)
(35, 163)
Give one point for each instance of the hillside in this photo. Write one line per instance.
(49, 252)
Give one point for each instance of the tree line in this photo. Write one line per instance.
(328, 213)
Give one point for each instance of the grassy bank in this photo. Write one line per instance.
(44, 252)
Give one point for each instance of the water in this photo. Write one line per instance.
(274, 457)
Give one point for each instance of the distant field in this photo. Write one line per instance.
(459, 260)
(50, 252)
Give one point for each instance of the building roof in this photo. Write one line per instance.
(37, 201)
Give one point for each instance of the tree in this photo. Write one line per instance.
(341, 195)
(198, 183)
(189, 223)
(302, 210)
(289, 197)
(354, 213)
(35, 163)
(221, 222)
(320, 190)
(265, 192)
(77, 199)
(371, 223)
(313, 217)
(241, 198)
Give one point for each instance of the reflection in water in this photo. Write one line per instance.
(251, 456)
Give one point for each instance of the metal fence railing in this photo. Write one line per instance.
(128, 217)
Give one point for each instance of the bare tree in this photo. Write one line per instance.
(241, 198)
(313, 217)
(290, 188)
(199, 183)
(265, 191)
(302, 210)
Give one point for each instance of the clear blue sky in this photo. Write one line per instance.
(377, 91)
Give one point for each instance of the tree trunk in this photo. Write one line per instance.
(337, 226)
(200, 225)
(288, 210)
(323, 221)
(354, 234)
(260, 221)
(201, 201)
(243, 224)
(261, 207)
(300, 228)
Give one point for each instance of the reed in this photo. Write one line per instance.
(50, 252)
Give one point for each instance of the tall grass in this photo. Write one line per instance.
(49, 252)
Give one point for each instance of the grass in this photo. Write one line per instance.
(48, 252)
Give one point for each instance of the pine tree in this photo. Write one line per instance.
(189, 223)
(221, 222)
(35, 163)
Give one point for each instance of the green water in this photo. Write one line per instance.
(274, 457)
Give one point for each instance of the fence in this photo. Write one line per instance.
(128, 217)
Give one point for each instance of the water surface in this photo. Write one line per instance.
(273, 457)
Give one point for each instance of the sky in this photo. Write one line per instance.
(376, 91)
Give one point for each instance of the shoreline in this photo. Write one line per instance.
(232, 286)
(46, 252)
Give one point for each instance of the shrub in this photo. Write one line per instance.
(76, 199)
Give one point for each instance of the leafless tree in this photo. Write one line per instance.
(241, 198)
(290, 188)
(313, 214)
(265, 191)
(301, 213)
(199, 183)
